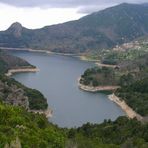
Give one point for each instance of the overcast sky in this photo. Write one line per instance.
(39, 13)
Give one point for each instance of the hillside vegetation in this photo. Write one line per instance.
(99, 77)
(136, 96)
(126, 52)
(19, 128)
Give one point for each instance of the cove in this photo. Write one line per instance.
(57, 80)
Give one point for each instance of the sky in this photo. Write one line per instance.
(39, 13)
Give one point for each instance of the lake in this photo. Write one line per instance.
(57, 80)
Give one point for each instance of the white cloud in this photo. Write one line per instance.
(65, 3)
(38, 13)
(35, 17)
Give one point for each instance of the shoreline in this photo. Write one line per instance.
(96, 89)
(25, 49)
(127, 109)
(84, 58)
(48, 112)
(10, 72)
(40, 51)
(121, 103)
(81, 57)
(106, 65)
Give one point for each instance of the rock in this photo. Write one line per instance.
(14, 95)
(14, 144)
(16, 29)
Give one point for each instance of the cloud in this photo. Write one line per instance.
(93, 8)
(85, 6)
(65, 3)
(38, 13)
(35, 17)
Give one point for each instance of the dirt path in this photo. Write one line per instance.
(128, 110)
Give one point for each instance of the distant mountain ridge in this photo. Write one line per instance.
(99, 30)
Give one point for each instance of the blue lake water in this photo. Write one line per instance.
(57, 80)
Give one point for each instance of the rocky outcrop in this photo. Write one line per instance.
(13, 95)
(14, 144)
(48, 112)
(16, 29)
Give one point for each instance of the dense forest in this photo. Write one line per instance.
(98, 76)
(21, 128)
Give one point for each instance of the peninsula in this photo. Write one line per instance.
(20, 70)
(96, 88)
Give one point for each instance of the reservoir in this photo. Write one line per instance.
(57, 80)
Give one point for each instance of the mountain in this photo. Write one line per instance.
(15, 29)
(99, 30)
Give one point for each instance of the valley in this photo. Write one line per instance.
(78, 84)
